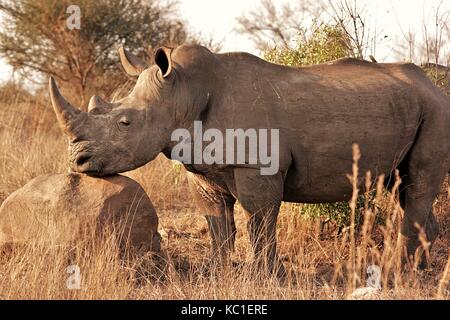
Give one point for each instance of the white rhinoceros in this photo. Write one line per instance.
(396, 115)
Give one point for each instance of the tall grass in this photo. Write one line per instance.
(321, 262)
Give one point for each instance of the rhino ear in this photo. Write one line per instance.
(164, 61)
(132, 64)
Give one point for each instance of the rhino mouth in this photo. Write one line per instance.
(84, 162)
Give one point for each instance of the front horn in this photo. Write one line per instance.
(66, 114)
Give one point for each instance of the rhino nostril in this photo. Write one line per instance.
(82, 159)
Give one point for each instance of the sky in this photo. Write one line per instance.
(217, 18)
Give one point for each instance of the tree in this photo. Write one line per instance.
(36, 41)
(432, 50)
(352, 21)
(435, 42)
(433, 45)
(269, 25)
(281, 25)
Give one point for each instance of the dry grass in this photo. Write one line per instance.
(321, 264)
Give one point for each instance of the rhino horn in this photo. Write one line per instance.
(98, 104)
(66, 114)
(133, 65)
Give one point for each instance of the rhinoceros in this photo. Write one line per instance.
(397, 116)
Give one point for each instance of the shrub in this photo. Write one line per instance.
(321, 44)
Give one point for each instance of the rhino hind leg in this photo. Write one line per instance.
(260, 197)
(423, 173)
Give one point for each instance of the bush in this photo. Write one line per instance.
(323, 43)
(440, 75)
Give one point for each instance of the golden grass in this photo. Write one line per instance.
(321, 264)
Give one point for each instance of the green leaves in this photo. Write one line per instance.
(319, 44)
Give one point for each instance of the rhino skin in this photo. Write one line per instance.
(67, 208)
(396, 115)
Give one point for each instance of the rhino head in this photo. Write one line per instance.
(114, 137)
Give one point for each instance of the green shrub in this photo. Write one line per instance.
(319, 44)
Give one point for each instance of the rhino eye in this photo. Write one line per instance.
(124, 122)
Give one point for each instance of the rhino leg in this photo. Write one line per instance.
(424, 171)
(218, 208)
(222, 231)
(260, 196)
(417, 202)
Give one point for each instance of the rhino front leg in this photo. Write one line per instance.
(218, 207)
(222, 231)
(261, 196)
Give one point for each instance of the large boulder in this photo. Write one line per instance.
(68, 208)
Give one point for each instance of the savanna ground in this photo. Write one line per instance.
(323, 261)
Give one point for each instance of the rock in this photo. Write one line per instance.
(68, 208)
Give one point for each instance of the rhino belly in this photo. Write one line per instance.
(318, 176)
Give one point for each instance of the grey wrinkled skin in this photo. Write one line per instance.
(393, 111)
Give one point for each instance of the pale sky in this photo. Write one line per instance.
(218, 18)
